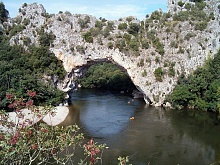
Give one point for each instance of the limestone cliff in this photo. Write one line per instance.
(154, 52)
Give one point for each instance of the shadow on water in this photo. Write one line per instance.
(155, 136)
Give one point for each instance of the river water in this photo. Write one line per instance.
(155, 136)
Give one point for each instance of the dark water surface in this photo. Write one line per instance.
(156, 136)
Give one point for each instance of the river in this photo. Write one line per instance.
(148, 135)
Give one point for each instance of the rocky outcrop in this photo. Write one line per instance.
(184, 47)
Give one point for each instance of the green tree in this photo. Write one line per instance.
(3, 12)
(201, 89)
(106, 76)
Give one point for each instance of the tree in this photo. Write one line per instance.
(3, 13)
(219, 99)
(200, 90)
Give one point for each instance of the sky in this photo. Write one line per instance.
(109, 9)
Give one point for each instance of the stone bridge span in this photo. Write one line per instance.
(78, 64)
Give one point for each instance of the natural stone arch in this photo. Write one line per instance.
(76, 68)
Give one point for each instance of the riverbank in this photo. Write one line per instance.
(53, 118)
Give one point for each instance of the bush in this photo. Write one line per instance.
(180, 3)
(84, 22)
(158, 73)
(110, 45)
(174, 44)
(87, 37)
(106, 32)
(129, 19)
(26, 21)
(46, 39)
(140, 63)
(16, 29)
(145, 44)
(144, 73)
(26, 142)
(171, 71)
(189, 35)
(120, 44)
(133, 29)
(134, 44)
(80, 49)
(201, 26)
(156, 15)
(122, 26)
(99, 24)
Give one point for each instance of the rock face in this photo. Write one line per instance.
(183, 47)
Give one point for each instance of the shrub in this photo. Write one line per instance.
(156, 15)
(110, 45)
(46, 39)
(134, 44)
(99, 24)
(84, 22)
(189, 35)
(106, 32)
(133, 28)
(87, 37)
(110, 25)
(158, 73)
(171, 71)
(26, 142)
(127, 37)
(16, 29)
(120, 44)
(27, 41)
(174, 44)
(157, 59)
(26, 21)
(122, 26)
(140, 63)
(180, 3)
(94, 31)
(80, 49)
(129, 19)
(181, 50)
(144, 73)
(145, 44)
(201, 26)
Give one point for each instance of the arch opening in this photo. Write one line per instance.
(105, 74)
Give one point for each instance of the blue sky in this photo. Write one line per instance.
(109, 9)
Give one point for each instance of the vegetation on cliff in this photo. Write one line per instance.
(35, 69)
(106, 76)
(200, 90)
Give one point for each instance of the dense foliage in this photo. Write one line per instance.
(106, 76)
(200, 90)
(3, 12)
(35, 69)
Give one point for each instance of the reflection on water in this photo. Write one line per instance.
(155, 136)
